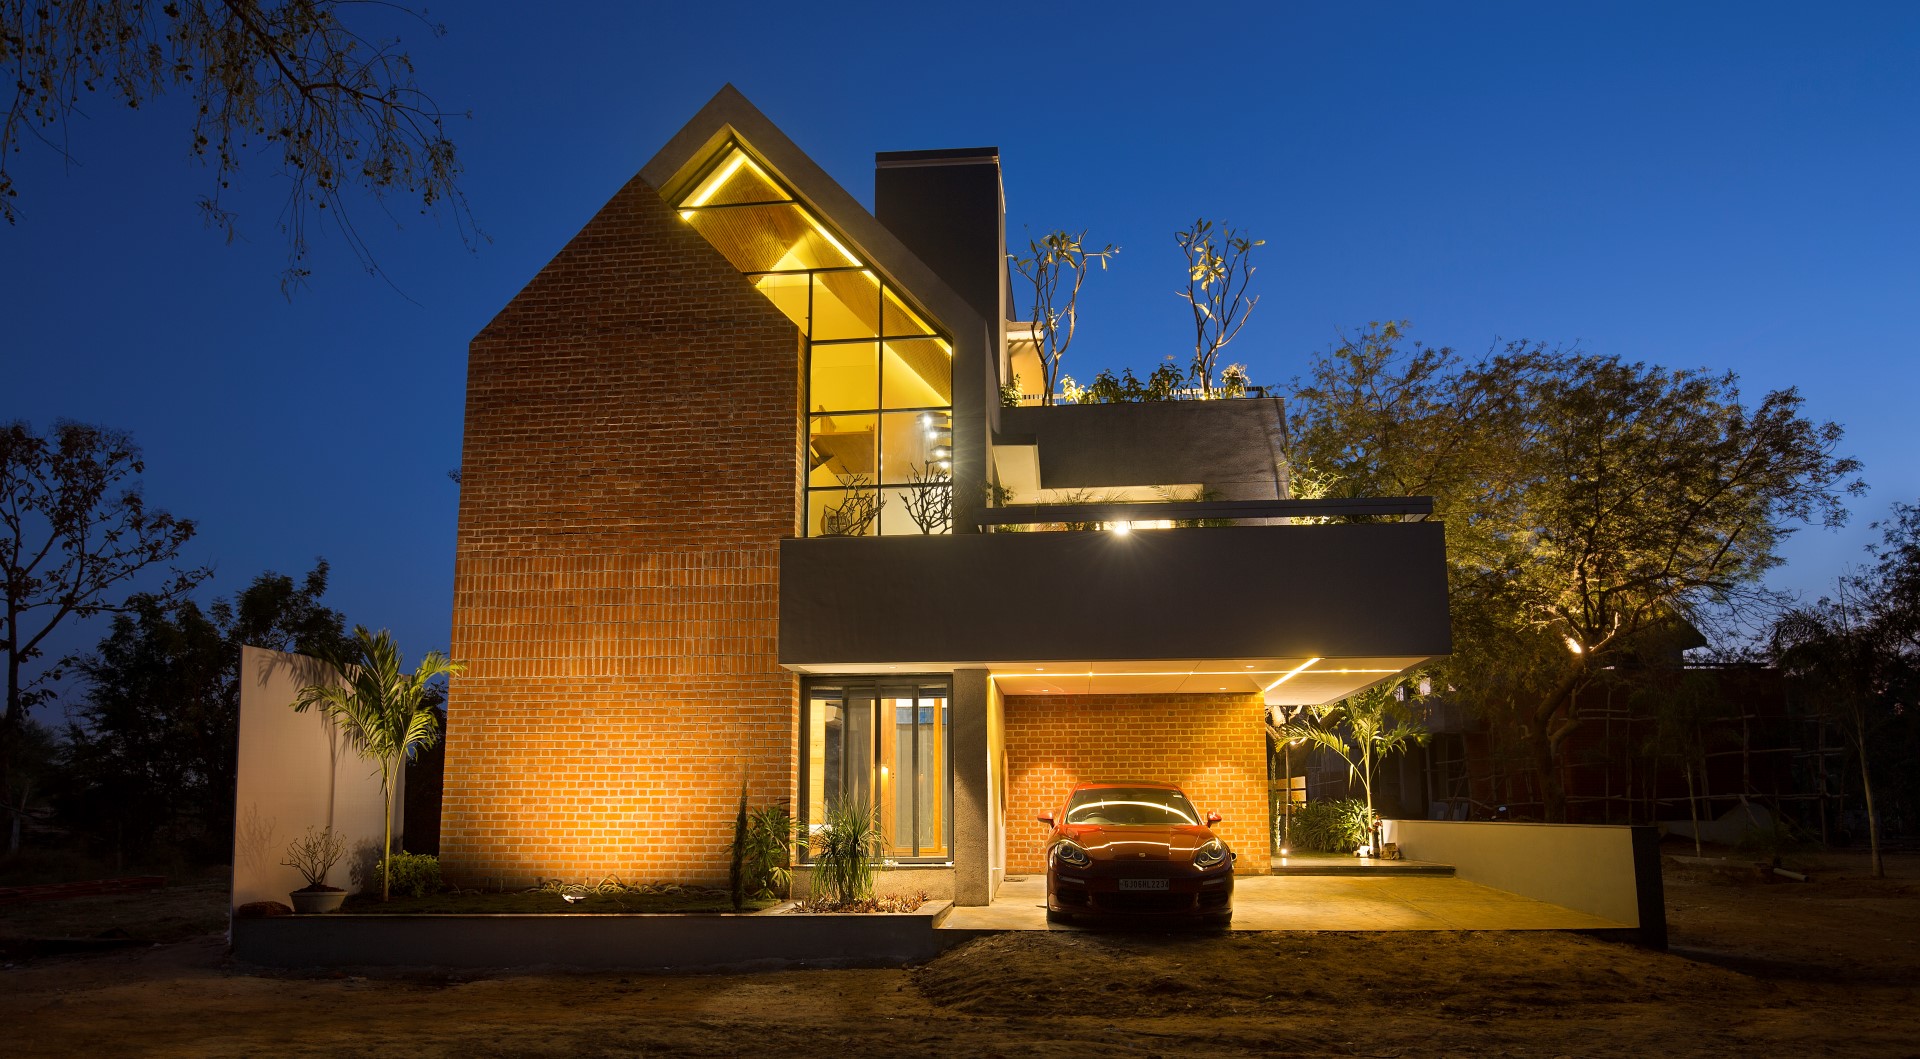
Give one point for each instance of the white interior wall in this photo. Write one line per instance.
(295, 770)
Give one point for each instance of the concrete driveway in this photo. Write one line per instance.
(1315, 902)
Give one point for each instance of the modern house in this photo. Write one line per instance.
(743, 504)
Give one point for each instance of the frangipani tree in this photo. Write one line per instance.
(1361, 729)
(385, 713)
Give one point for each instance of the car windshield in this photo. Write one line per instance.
(1131, 807)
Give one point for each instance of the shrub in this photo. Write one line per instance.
(1332, 826)
(844, 849)
(315, 854)
(769, 851)
(412, 874)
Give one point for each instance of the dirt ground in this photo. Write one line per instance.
(1827, 968)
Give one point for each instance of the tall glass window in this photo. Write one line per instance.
(879, 390)
(883, 745)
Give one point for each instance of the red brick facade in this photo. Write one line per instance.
(631, 462)
(1213, 746)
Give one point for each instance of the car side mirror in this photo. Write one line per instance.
(1212, 819)
(1045, 818)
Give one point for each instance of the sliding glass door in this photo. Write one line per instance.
(882, 744)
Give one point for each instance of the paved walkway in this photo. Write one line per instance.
(1314, 902)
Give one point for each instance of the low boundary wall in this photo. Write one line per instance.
(1608, 871)
(632, 942)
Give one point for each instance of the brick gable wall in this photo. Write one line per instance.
(630, 464)
(1213, 746)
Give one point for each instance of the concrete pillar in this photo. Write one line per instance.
(972, 790)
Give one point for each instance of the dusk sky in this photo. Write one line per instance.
(1729, 186)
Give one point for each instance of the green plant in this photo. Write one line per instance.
(409, 874)
(1010, 393)
(736, 881)
(764, 847)
(845, 847)
(1339, 825)
(385, 714)
(314, 854)
(1362, 729)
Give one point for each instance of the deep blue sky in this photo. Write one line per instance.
(1728, 186)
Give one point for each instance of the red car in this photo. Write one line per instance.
(1136, 849)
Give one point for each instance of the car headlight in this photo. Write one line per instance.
(1071, 855)
(1211, 854)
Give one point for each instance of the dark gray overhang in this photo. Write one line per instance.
(1373, 590)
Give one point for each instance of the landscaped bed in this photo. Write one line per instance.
(478, 902)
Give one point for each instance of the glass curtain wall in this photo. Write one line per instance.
(884, 745)
(879, 394)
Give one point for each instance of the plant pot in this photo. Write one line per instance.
(314, 900)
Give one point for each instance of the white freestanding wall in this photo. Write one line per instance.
(296, 770)
(1608, 871)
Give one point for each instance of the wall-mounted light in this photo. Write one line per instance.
(1123, 528)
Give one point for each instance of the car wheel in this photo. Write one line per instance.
(1223, 921)
(1059, 917)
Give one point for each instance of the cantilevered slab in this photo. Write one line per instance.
(1108, 601)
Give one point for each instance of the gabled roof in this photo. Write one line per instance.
(729, 115)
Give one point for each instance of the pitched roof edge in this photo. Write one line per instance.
(729, 113)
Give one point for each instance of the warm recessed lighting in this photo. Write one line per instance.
(1249, 667)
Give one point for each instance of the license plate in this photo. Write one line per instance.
(1143, 884)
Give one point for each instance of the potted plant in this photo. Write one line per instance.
(313, 856)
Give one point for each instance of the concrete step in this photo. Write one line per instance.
(1363, 866)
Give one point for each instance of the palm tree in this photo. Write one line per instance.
(385, 713)
(1361, 729)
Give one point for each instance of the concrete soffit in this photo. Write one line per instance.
(730, 115)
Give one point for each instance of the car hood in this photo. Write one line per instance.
(1112, 842)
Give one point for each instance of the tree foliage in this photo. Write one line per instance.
(1593, 505)
(1853, 657)
(1055, 268)
(385, 713)
(75, 534)
(151, 750)
(340, 108)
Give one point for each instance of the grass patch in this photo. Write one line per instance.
(521, 903)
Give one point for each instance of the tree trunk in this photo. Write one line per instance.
(386, 841)
(1553, 792)
(1693, 809)
(1877, 869)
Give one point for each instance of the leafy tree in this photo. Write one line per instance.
(1362, 729)
(1218, 272)
(1849, 670)
(1854, 657)
(1055, 259)
(1591, 503)
(340, 108)
(75, 533)
(386, 714)
(152, 750)
(32, 766)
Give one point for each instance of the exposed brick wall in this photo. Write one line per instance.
(631, 461)
(1212, 746)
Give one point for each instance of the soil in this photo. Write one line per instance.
(1824, 968)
